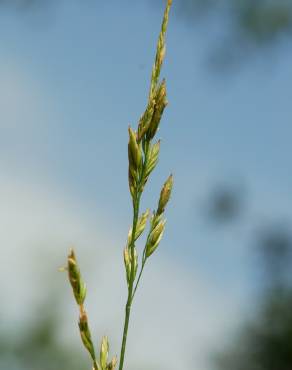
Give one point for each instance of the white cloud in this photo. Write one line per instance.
(176, 316)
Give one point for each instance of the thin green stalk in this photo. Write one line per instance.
(136, 206)
(139, 277)
(144, 259)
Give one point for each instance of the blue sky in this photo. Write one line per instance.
(73, 79)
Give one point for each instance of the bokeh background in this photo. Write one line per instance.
(73, 75)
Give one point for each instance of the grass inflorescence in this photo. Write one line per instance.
(143, 154)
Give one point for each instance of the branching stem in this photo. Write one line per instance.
(138, 176)
(131, 290)
(136, 206)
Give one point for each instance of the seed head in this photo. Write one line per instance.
(135, 153)
(165, 194)
(112, 364)
(152, 160)
(128, 262)
(78, 285)
(154, 238)
(141, 224)
(160, 52)
(104, 349)
(160, 104)
(85, 334)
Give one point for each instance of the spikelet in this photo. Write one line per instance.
(145, 120)
(85, 334)
(141, 224)
(154, 238)
(111, 365)
(78, 285)
(104, 349)
(151, 161)
(165, 195)
(160, 52)
(135, 161)
(128, 263)
(160, 104)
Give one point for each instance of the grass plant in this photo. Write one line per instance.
(143, 154)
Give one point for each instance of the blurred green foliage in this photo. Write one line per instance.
(257, 20)
(240, 28)
(264, 343)
(36, 345)
(245, 26)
